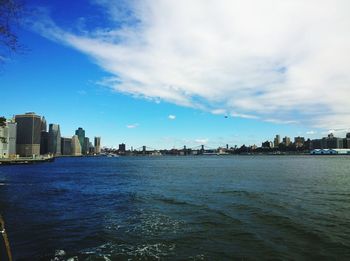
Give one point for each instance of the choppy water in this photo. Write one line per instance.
(179, 208)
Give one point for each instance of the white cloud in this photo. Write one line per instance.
(311, 132)
(201, 141)
(132, 126)
(171, 117)
(279, 61)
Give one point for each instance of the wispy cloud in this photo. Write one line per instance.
(201, 141)
(132, 126)
(171, 117)
(278, 61)
(311, 132)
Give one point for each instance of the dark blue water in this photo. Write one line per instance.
(179, 208)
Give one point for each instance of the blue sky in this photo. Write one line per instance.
(162, 74)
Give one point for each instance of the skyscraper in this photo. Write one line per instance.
(43, 124)
(97, 145)
(86, 146)
(277, 141)
(4, 137)
(286, 141)
(80, 132)
(66, 146)
(28, 134)
(44, 143)
(54, 139)
(12, 137)
(76, 147)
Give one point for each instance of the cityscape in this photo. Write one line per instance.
(174, 130)
(27, 135)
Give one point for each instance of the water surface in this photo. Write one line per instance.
(179, 208)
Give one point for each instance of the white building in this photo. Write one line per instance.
(8, 139)
(330, 152)
(76, 147)
(12, 127)
(4, 142)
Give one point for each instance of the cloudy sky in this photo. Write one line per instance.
(167, 73)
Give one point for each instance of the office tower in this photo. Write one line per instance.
(91, 148)
(122, 148)
(97, 145)
(277, 141)
(28, 134)
(85, 149)
(12, 136)
(286, 141)
(80, 132)
(43, 124)
(4, 138)
(76, 147)
(54, 139)
(44, 143)
(66, 146)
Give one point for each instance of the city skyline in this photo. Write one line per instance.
(76, 71)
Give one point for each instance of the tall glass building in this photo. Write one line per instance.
(54, 139)
(28, 134)
(80, 132)
(97, 145)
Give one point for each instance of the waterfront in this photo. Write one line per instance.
(197, 208)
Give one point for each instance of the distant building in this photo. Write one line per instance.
(4, 138)
(315, 144)
(54, 139)
(329, 142)
(267, 145)
(12, 138)
(44, 143)
(43, 124)
(66, 146)
(286, 141)
(299, 141)
(97, 145)
(91, 148)
(277, 141)
(330, 152)
(122, 148)
(347, 141)
(80, 132)
(28, 134)
(86, 146)
(76, 147)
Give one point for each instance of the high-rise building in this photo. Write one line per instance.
(4, 138)
(286, 141)
(97, 145)
(86, 145)
(43, 124)
(76, 147)
(91, 148)
(66, 146)
(277, 141)
(122, 148)
(12, 137)
(28, 134)
(44, 143)
(80, 132)
(54, 139)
